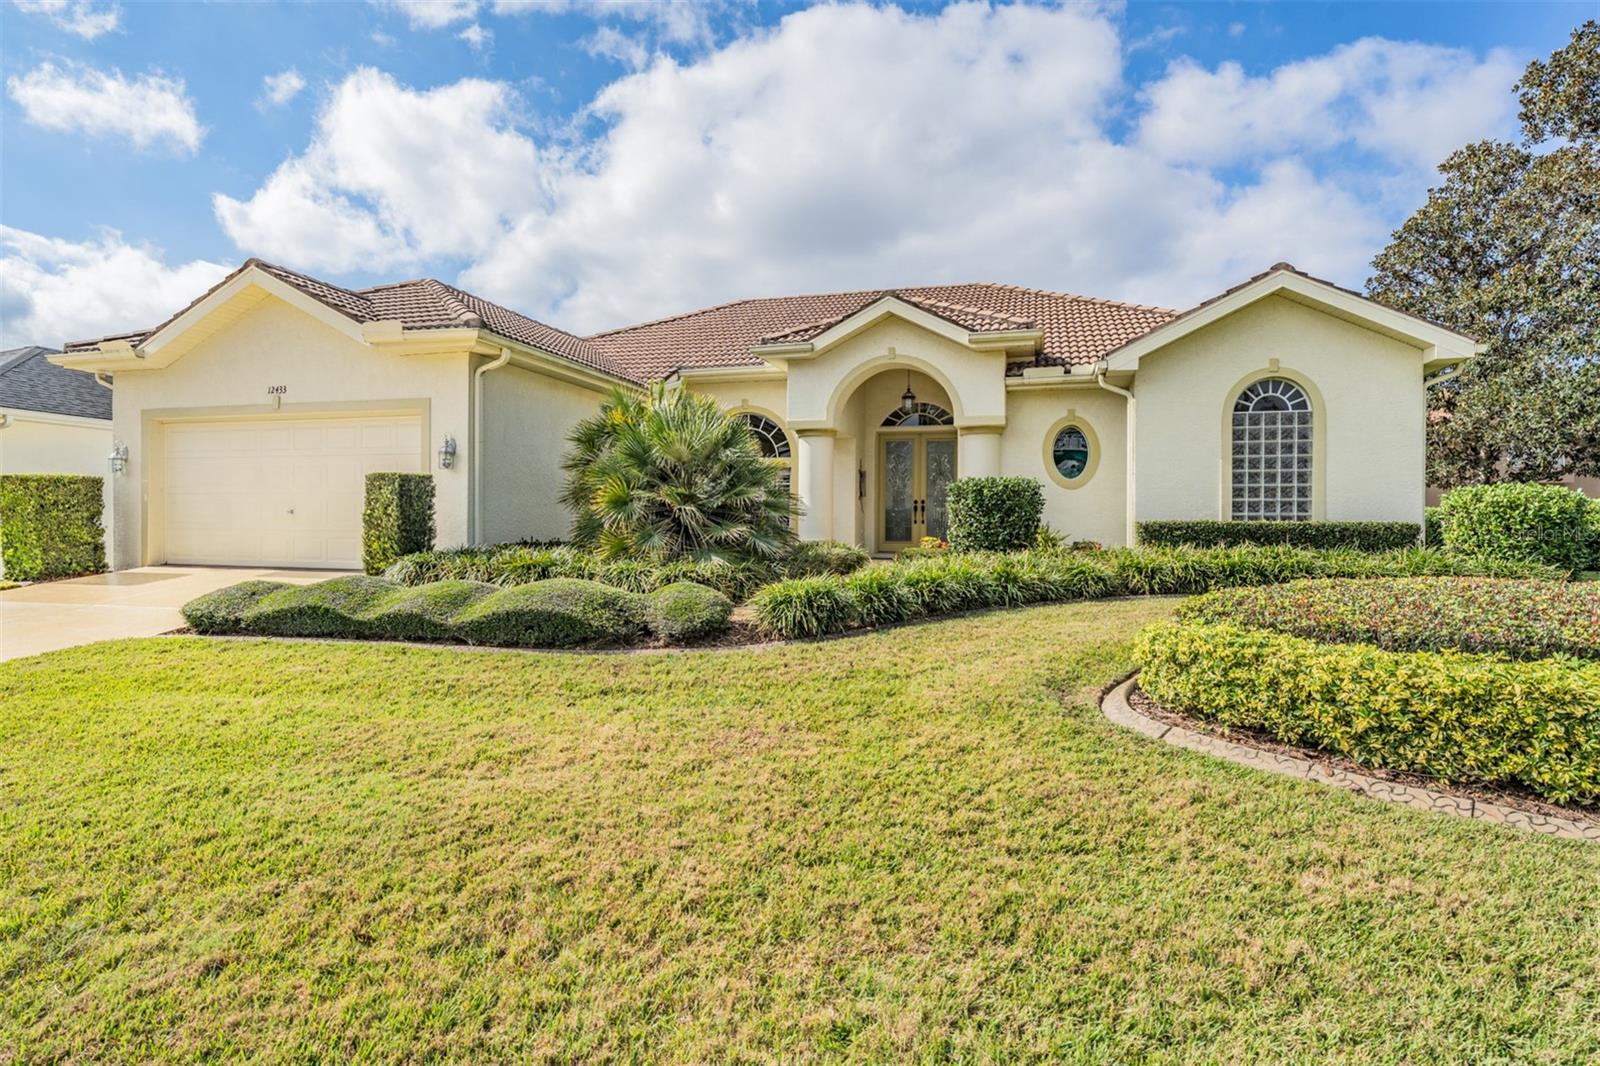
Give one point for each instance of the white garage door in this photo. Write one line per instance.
(278, 493)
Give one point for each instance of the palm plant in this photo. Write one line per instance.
(668, 474)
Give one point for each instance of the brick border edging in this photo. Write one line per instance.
(1115, 706)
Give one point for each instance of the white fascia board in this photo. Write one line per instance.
(540, 361)
(22, 414)
(871, 315)
(252, 277)
(110, 357)
(730, 373)
(1437, 343)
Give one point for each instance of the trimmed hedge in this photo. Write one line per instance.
(1518, 619)
(994, 513)
(943, 582)
(397, 518)
(1523, 522)
(684, 612)
(1456, 716)
(519, 564)
(560, 612)
(50, 526)
(1362, 536)
(1432, 528)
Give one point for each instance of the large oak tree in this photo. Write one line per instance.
(1507, 249)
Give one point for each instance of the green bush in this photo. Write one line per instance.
(1521, 522)
(1362, 536)
(557, 613)
(1432, 528)
(425, 612)
(1519, 619)
(334, 608)
(1455, 716)
(1593, 522)
(994, 513)
(50, 526)
(805, 607)
(397, 519)
(684, 612)
(812, 558)
(882, 596)
(223, 611)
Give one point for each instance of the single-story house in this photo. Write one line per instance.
(250, 416)
(52, 420)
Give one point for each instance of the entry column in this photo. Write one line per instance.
(979, 453)
(816, 484)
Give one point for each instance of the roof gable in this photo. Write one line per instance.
(30, 382)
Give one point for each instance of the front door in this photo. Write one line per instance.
(914, 473)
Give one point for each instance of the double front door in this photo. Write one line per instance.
(914, 473)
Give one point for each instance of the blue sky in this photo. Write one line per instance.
(596, 163)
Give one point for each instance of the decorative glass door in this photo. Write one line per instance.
(915, 471)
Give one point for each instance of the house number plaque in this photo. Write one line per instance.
(277, 390)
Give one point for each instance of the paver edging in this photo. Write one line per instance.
(1115, 706)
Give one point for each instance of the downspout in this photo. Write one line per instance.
(477, 441)
(5, 420)
(1129, 446)
(101, 379)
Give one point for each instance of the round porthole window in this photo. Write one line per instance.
(1070, 453)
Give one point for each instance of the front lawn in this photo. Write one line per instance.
(898, 845)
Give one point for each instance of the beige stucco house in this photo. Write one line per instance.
(250, 417)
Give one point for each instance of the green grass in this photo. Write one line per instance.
(897, 846)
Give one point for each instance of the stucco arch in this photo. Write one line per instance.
(1319, 437)
(866, 371)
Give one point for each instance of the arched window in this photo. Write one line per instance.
(1272, 452)
(774, 443)
(921, 414)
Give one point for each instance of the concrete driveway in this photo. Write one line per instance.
(129, 603)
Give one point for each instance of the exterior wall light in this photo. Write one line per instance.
(118, 458)
(447, 453)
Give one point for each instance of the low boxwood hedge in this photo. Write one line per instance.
(941, 582)
(1522, 522)
(1453, 715)
(1519, 619)
(558, 612)
(50, 526)
(1362, 536)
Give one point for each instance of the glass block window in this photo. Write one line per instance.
(1070, 452)
(1272, 453)
(921, 414)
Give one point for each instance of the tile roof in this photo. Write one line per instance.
(30, 382)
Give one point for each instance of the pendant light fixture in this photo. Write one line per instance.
(908, 399)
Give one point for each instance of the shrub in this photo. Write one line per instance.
(1520, 619)
(994, 513)
(1362, 536)
(882, 596)
(668, 473)
(426, 612)
(1521, 522)
(556, 613)
(810, 558)
(397, 519)
(1455, 716)
(334, 608)
(805, 607)
(1593, 522)
(1432, 527)
(50, 526)
(684, 612)
(223, 611)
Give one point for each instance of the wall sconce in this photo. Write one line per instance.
(447, 453)
(119, 458)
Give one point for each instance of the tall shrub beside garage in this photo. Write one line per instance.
(50, 526)
(994, 514)
(397, 519)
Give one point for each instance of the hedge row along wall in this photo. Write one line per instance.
(50, 526)
(1362, 536)
(397, 518)
(1455, 716)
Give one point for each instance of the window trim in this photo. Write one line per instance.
(1071, 420)
(1319, 438)
(789, 463)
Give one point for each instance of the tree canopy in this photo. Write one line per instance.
(1507, 249)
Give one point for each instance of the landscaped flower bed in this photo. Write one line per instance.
(1520, 619)
(558, 612)
(1453, 715)
(936, 583)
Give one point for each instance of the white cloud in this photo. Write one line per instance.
(1411, 103)
(279, 89)
(1236, 29)
(147, 109)
(855, 146)
(432, 14)
(82, 17)
(677, 22)
(392, 176)
(610, 43)
(54, 290)
(476, 36)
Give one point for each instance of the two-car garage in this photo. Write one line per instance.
(277, 492)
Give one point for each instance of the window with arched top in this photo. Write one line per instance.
(1272, 452)
(774, 444)
(921, 414)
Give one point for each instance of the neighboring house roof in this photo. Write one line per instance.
(1074, 330)
(30, 382)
